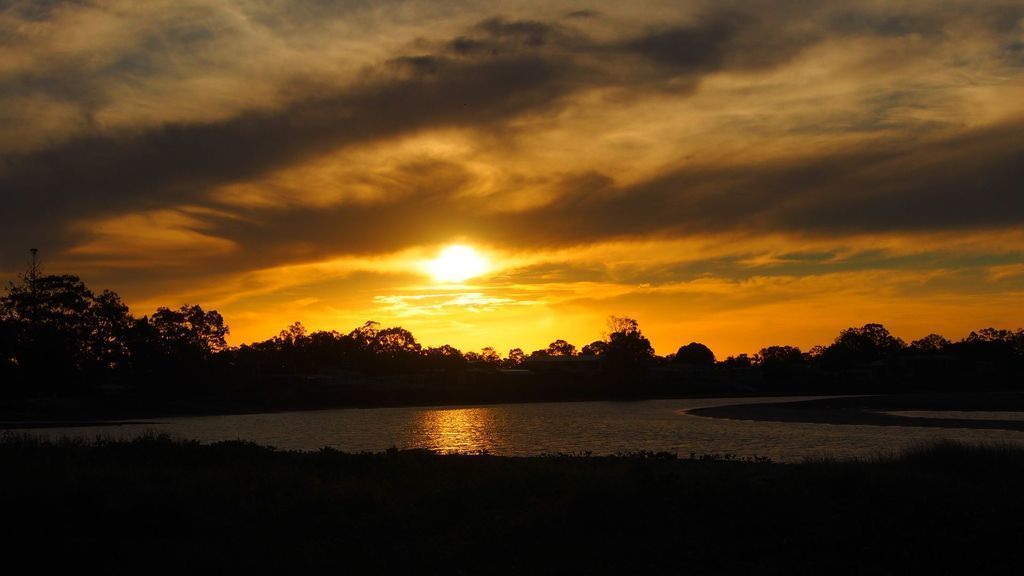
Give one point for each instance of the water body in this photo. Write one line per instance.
(548, 428)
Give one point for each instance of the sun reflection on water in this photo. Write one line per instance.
(457, 430)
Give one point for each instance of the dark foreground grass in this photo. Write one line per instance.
(156, 505)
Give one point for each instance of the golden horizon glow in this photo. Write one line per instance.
(456, 264)
(858, 166)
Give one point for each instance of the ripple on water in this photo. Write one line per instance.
(548, 428)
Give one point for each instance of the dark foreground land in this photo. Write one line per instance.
(156, 505)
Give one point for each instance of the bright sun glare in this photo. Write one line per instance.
(457, 264)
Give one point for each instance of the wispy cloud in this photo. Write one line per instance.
(258, 156)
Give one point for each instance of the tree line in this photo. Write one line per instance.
(57, 336)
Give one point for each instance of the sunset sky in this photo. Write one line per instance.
(738, 173)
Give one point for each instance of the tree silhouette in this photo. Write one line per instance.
(738, 361)
(869, 343)
(443, 357)
(1012, 338)
(695, 354)
(561, 348)
(930, 344)
(8, 348)
(489, 355)
(516, 357)
(1002, 348)
(623, 325)
(59, 332)
(628, 350)
(394, 342)
(486, 355)
(293, 335)
(780, 356)
(189, 331)
(366, 334)
(781, 362)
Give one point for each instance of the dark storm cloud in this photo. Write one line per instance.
(179, 163)
(995, 16)
(968, 182)
(498, 70)
(500, 36)
(753, 35)
(724, 39)
(31, 11)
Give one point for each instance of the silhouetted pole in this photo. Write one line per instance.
(32, 279)
(33, 270)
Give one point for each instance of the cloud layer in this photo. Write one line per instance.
(172, 147)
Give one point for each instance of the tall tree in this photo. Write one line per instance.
(626, 342)
(189, 330)
(59, 332)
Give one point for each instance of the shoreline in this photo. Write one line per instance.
(871, 411)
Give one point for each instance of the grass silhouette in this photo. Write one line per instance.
(163, 505)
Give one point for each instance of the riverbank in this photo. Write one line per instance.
(877, 410)
(173, 506)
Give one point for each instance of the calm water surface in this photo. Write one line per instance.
(545, 428)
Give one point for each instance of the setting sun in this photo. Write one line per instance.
(457, 264)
